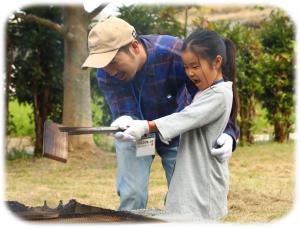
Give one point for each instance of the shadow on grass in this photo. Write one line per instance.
(15, 154)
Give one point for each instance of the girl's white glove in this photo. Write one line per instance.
(223, 153)
(137, 129)
(122, 122)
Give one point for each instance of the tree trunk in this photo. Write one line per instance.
(280, 134)
(9, 61)
(251, 116)
(247, 114)
(281, 127)
(41, 110)
(77, 96)
(39, 117)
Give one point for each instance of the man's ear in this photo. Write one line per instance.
(135, 46)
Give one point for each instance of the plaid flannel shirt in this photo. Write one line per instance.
(160, 88)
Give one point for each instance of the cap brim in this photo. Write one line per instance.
(99, 60)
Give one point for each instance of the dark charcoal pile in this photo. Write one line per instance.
(74, 212)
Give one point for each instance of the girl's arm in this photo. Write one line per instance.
(208, 107)
(204, 110)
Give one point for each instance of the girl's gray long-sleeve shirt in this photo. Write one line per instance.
(200, 183)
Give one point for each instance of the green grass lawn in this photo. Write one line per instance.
(261, 190)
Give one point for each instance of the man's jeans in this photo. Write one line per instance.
(133, 173)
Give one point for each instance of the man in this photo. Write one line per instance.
(142, 78)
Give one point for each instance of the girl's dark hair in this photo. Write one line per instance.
(208, 44)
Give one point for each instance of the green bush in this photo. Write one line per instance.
(277, 35)
(20, 121)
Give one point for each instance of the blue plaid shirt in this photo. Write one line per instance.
(160, 88)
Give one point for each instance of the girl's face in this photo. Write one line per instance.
(199, 70)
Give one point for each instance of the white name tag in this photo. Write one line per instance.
(145, 146)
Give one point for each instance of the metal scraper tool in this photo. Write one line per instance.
(55, 140)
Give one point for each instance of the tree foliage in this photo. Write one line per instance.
(277, 72)
(152, 19)
(36, 67)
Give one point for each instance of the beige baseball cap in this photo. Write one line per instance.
(105, 39)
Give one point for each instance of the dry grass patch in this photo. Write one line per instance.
(262, 183)
(261, 190)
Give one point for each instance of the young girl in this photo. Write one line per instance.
(200, 182)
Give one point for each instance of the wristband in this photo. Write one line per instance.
(150, 127)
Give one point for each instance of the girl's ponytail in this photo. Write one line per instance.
(229, 74)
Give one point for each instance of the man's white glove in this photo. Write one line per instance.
(223, 153)
(122, 122)
(137, 129)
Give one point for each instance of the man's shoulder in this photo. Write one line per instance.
(159, 38)
(164, 43)
(100, 73)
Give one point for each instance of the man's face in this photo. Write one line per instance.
(123, 66)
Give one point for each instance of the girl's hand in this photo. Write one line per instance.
(137, 129)
(123, 122)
